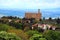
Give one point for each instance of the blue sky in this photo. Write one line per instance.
(49, 8)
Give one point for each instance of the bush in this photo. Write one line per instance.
(52, 35)
(37, 37)
(16, 25)
(42, 38)
(4, 27)
(31, 32)
(8, 36)
(19, 33)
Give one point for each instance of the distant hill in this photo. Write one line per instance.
(20, 13)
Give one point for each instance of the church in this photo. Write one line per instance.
(35, 15)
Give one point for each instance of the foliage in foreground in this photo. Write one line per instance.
(4, 27)
(8, 36)
(52, 35)
(37, 37)
(19, 33)
(47, 35)
(32, 32)
(27, 35)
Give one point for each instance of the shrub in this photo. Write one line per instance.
(4, 27)
(42, 39)
(8, 36)
(16, 25)
(37, 37)
(52, 35)
(31, 32)
(19, 33)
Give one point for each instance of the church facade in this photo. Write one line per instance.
(36, 16)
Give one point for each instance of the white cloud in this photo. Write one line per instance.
(29, 4)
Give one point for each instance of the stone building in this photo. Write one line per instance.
(36, 15)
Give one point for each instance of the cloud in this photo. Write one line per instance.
(32, 4)
(29, 4)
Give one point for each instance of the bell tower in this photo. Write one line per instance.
(38, 10)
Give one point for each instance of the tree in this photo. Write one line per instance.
(16, 25)
(10, 17)
(32, 20)
(58, 21)
(43, 18)
(50, 18)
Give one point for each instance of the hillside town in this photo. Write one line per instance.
(31, 27)
(32, 21)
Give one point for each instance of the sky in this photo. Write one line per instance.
(18, 7)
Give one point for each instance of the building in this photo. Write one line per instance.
(36, 15)
(46, 27)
